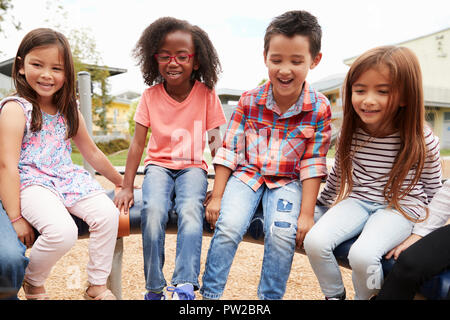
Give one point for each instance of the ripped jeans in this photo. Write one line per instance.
(281, 207)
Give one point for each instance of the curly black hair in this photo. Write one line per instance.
(297, 22)
(152, 38)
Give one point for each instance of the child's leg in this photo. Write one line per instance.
(421, 261)
(46, 212)
(157, 191)
(281, 208)
(340, 223)
(384, 230)
(190, 190)
(102, 216)
(239, 203)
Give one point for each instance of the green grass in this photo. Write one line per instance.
(120, 158)
(445, 152)
(117, 159)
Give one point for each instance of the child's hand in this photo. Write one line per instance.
(25, 232)
(124, 199)
(207, 198)
(212, 209)
(304, 224)
(403, 246)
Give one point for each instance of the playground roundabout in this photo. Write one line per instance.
(68, 278)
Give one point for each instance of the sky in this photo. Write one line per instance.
(235, 27)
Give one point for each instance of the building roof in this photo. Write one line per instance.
(437, 96)
(433, 96)
(329, 83)
(229, 92)
(128, 95)
(6, 68)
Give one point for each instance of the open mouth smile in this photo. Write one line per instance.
(285, 81)
(45, 85)
(370, 111)
(174, 73)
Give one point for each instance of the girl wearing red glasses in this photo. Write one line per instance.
(181, 66)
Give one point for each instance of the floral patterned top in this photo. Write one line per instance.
(45, 158)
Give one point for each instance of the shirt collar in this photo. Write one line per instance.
(304, 103)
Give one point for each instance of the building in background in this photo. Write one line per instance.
(6, 83)
(116, 113)
(229, 99)
(117, 116)
(331, 87)
(433, 52)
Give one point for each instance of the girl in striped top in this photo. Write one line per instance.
(386, 171)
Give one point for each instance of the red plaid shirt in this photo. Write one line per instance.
(261, 145)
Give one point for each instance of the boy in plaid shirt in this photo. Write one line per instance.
(274, 151)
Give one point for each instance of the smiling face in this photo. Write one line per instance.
(43, 68)
(370, 99)
(177, 76)
(289, 60)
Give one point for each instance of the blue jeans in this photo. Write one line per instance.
(381, 230)
(12, 258)
(281, 207)
(184, 191)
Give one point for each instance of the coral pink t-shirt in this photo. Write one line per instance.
(178, 129)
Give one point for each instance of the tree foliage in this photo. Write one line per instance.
(86, 58)
(84, 50)
(6, 17)
(5, 9)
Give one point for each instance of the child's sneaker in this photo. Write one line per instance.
(155, 295)
(182, 292)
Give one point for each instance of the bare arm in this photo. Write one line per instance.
(94, 156)
(310, 190)
(125, 199)
(214, 140)
(12, 125)
(214, 200)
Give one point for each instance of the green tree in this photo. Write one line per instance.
(132, 123)
(5, 17)
(131, 113)
(86, 58)
(5, 9)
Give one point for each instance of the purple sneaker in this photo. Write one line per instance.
(182, 292)
(155, 296)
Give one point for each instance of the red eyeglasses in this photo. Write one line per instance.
(179, 58)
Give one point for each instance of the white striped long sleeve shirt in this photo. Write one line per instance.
(373, 159)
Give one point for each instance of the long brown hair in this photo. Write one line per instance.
(65, 98)
(406, 90)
